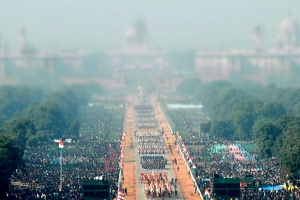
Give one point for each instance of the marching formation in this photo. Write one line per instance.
(151, 143)
(150, 138)
(145, 119)
(151, 149)
(153, 162)
(156, 185)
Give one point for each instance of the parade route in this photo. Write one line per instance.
(132, 167)
(185, 181)
(129, 179)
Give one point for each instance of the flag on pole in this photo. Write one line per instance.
(121, 195)
(61, 145)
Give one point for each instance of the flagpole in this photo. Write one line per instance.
(60, 176)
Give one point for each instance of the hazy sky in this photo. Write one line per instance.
(100, 24)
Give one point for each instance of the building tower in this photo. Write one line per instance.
(257, 37)
(22, 40)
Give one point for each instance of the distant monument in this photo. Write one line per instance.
(136, 53)
(254, 63)
(288, 37)
(22, 40)
(136, 37)
(257, 37)
(27, 63)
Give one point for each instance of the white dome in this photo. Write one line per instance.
(288, 24)
(130, 33)
(288, 33)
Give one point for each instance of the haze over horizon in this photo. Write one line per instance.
(100, 25)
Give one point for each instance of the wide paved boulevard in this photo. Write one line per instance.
(131, 160)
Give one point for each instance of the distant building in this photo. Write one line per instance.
(28, 62)
(256, 63)
(136, 62)
(136, 54)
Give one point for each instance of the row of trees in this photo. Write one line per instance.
(29, 115)
(54, 117)
(16, 99)
(246, 110)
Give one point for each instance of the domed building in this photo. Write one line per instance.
(135, 41)
(288, 37)
(136, 37)
(136, 53)
(256, 64)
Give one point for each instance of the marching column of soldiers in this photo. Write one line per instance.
(145, 124)
(150, 138)
(153, 162)
(151, 143)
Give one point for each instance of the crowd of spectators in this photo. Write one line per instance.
(41, 175)
(85, 158)
(229, 160)
(224, 163)
(193, 140)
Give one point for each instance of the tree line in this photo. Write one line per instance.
(246, 110)
(29, 115)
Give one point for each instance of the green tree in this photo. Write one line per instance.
(21, 129)
(205, 126)
(259, 121)
(268, 93)
(16, 99)
(290, 98)
(83, 92)
(251, 106)
(73, 128)
(66, 102)
(222, 129)
(225, 101)
(208, 93)
(287, 121)
(242, 123)
(47, 119)
(273, 110)
(10, 160)
(266, 139)
(289, 153)
(296, 109)
(249, 86)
